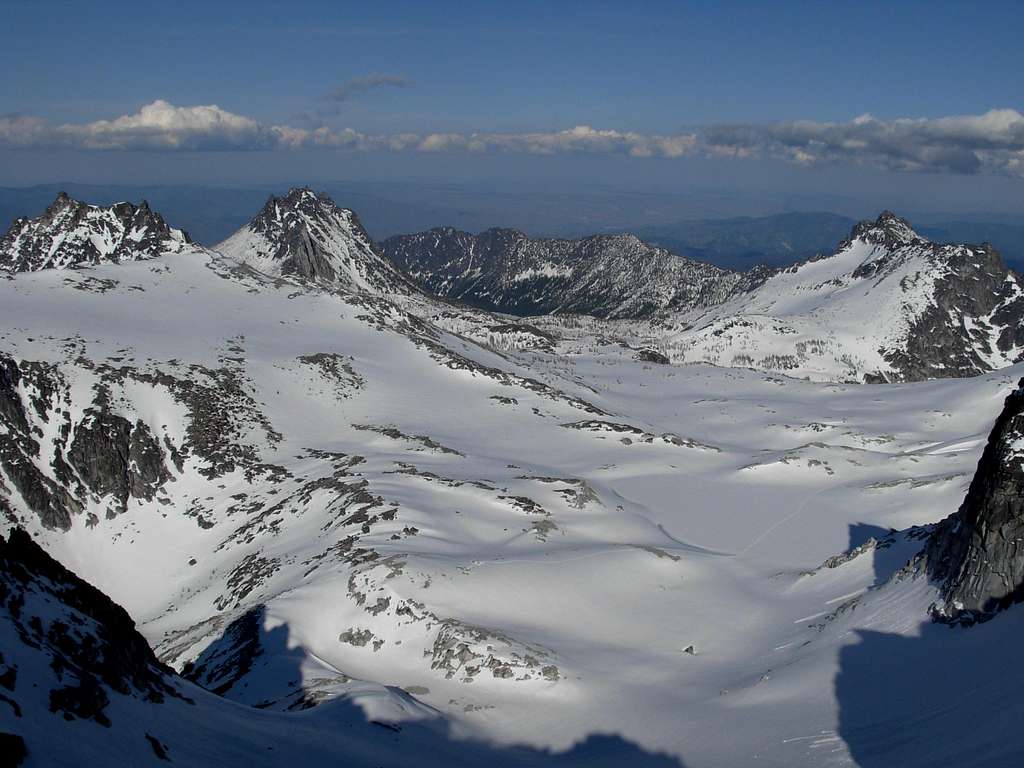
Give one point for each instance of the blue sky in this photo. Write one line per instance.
(663, 77)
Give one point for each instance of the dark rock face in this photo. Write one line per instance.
(887, 230)
(115, 457)
(13, 746)
(976, 306)
(74, 234)
(296, 250)
(103, 453)
(302, 256)
(54, 503)
(159, 748)
(652, 356)
(613, 276)
(976, 555)
(90, 642)
(219, 410)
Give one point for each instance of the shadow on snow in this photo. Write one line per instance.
(253, 665)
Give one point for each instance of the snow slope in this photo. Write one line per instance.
(82, 686)
(308, 498)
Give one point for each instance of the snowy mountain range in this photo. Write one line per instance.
(345, 520)
(610, 276)
(887, 305)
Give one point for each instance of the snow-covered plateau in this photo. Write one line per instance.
(359, 525)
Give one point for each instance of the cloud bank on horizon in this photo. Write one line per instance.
(991, 143)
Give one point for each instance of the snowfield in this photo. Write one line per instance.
(502, 534)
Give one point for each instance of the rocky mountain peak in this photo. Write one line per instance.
(888, 229)
(63, 200)
(307, 198)
(295, 208)
(975, 555)
(306, 234)
(71, 233)
(622, 240)
(505, 232)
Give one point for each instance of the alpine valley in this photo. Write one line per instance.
(460, 500)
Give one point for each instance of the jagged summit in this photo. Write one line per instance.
(888, 229)
(299, 200)
(505, 233)
(974, 555)
(72, 234)
(306, 234)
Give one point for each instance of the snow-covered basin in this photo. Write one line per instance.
(701, 537)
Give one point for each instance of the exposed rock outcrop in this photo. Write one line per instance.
(19, 445)
(976, 311)
(887, 306)
(115, 457)
(98, 455)
(229, 659)
(976, 555)
(91, 643)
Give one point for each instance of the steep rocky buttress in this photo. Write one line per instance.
(976, 555)
(67, 643)
(976, 309)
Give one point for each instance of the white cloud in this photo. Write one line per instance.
(159, 125)
(581, 138)
(444, 142)
(989, 143)
(163, 126)
(20, 130)
(584, 138)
